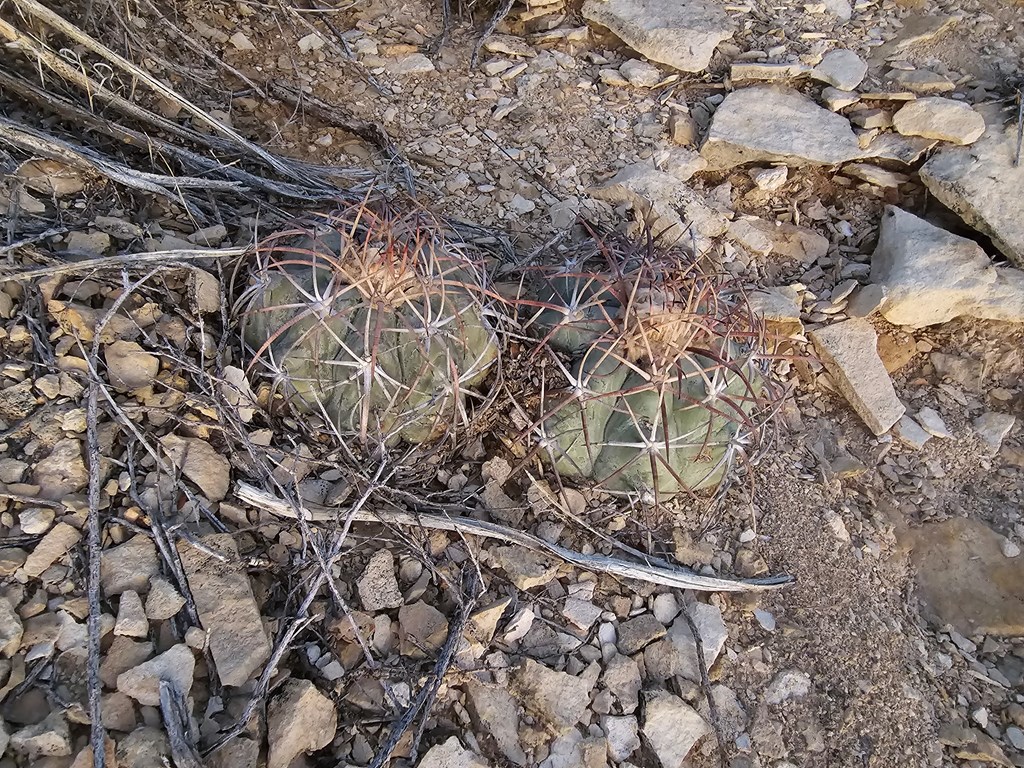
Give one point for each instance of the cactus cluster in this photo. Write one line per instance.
(652, 379)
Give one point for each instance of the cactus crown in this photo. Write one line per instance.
(373, 320)
(659, 381)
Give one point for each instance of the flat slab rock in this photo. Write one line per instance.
(849, 351)
(981, 184)
(227, 608)
(932, 276)
(964, 579)
(765, 123)
(680, 33)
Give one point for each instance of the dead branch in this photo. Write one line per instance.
(176, 720)
(666, 576)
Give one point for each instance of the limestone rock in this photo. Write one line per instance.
(378, 586)
(163, 600)
(640, 74)
(964, 579)
(622, 679)
(849, 351)
(11, 631)
(129, 566)
(932, 422)
(53, 546)
(131, 616)
(842, 69)
(129, 366)
(992, 428)
(936, 117)
(142, 683)
(49, 738)
(636, 634)
(766, 123)
(227, 608)
(911, 433)
(788, 684)
(671, 727)
(412, 64)
(677, 653)
(921, 81)
(680, 33)
(557, 698)
(300, 719)
(451, 754)
(200, 463)
(524, 568)
(63, 472)
(422, 630)
(779, 306)
(932, 276)
(980, 183)
(623, 736)
(781, 238)
(494, 711)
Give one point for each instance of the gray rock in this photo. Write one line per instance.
(227, 607)
(671, 727)
(145, 747)
(836, 99)
(636, 634)
(35, 520)
(849, 351)
(558, 698)
(932, 276)
(677, 653)
(935, 117)
(11, 631)
(237, 753)
(682, 34)
(142, 683)
(910, 433)
(788, 684)
(842, 69)
(773, 124)
(865, 301)
(965, 371)
(640, 74)
(732, 717)
(5, 737)
(131, 616)
(623, 734)
(932, 423)
(300, 719)
(872, 174)
(981, 184)
(993, 428)
(622, 678)
(53, 546)
(129, 566)
(769, 179)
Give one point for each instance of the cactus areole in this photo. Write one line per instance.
(660, 383)
(375, 322)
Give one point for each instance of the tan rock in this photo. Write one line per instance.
(559, 699)
(964, 579)
(200, 463)
(129, 366)
(129, 566)
(850, 353)
(300, 719)
(63, 472)
(451, 754)
(227, 608)
(142, 683)
(53, 546)
(378, 586)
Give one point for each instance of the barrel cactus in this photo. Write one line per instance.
(660, 382)
(377, 322)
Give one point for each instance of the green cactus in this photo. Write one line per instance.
(373, 321)
(659, 388)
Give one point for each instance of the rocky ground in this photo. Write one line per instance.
(854, 166)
